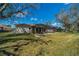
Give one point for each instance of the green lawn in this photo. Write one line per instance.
(50, 44)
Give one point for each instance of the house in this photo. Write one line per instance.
(30, 28)
(4, 28)
(51, 29)
(33, 28)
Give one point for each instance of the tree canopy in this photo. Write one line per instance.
(69, 17)
(7, 10)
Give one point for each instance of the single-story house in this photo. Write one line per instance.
(4, 28)
(32, 28)
(29, 28)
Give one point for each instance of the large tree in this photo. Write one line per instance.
(69, 17)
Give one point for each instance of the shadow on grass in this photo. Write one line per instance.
(14, 34)
(17, 46)
(13, 38)
(4, 52)
(16, 37)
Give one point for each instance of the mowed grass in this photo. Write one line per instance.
(49, 44)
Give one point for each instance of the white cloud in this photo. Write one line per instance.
(20, 15)
(57, 24)
(66, 3)
(34, 19)
(31, 18)
(54, 24)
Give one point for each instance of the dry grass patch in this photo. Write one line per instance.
(52, 44)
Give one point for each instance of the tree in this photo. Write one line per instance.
(70, 17)
(7, 10)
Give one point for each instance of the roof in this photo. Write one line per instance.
(29, 25)
(5, 27)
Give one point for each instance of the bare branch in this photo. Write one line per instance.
(3, 7)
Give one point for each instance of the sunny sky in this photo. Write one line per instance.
(44, 13)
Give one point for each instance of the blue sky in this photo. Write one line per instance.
(45, 13)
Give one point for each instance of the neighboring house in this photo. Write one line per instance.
(4, 28)
(51, 29)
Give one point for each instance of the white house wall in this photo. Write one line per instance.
(23, 30)
(49, 30)
(27, 30)
(19, 30)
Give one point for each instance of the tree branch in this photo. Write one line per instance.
(3, 7)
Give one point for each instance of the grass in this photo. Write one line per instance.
(51, 44)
